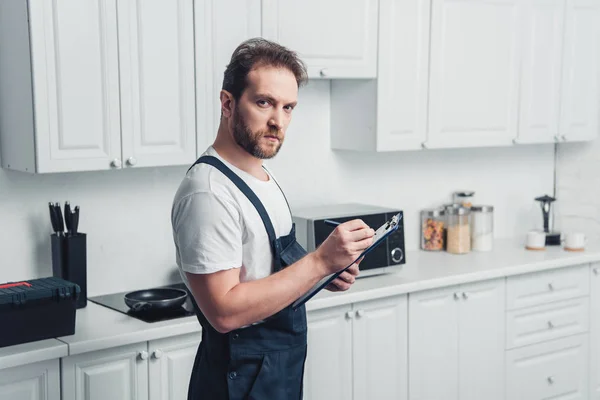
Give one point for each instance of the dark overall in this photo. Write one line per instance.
(263, 361)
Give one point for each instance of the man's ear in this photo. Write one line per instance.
(227, 103)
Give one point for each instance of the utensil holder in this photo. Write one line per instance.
(69, 261)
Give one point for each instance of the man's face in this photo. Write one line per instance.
(264, 111)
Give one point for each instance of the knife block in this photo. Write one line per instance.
(69, 261)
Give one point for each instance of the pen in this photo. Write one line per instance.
(331, 223)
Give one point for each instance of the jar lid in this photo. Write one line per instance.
(433, 212)
(482, 208)
(466, 193)
(457, 210)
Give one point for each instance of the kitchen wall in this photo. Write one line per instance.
(126, 214)
(578, 188)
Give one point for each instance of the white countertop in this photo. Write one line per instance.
(98, 327)
(27, 353)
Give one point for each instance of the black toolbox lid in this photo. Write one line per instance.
(19, 293)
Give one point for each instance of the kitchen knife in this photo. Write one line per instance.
(68, 216)
(59, 219)
(75, 220)
(53, 218)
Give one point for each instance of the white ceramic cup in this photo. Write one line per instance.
(575, 240)
(536, 240)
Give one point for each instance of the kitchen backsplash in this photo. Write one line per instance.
(126, 213)
(578, 188)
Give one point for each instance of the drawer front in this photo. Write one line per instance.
(543, 287)
(551, 321)
(556, 369)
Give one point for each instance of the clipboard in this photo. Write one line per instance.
(380, 234)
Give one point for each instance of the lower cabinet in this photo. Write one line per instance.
(153, 370)
(456, 342)
(37, 381)
(595, 332)
(358, 351)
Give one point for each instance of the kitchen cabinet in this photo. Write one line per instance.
(117, 94)
(364, 343)
(550, 370)
(340, 41)
(542, 37)
(389, 113)
(159, 369)
(474, 73)
(456, 342)
(595, 332)
(580, 87)
(36, 381)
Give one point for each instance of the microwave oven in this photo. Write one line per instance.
(311, 231)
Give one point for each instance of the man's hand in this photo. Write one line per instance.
(345, 280)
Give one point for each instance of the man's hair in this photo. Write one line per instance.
(259, 52)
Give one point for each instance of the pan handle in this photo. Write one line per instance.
(141, 306)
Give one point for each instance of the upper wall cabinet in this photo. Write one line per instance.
(335, 38)
(474, 73)
(389, 113)
(93, 85)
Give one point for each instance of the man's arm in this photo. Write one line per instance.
(229, 304)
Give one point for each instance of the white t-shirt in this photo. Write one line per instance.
(216, 227)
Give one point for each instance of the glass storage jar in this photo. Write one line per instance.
(432, 229)
(482, 228)
(465, 199)
(458, 228)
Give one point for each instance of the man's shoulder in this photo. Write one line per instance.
(203, 179)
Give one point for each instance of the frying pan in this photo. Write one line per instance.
(155, 299)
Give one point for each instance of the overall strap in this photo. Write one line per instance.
(245, 189)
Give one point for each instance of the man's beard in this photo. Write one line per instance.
(250, 141)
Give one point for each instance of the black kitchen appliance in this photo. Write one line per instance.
(37, 309)
(552, 237)
(116, 301)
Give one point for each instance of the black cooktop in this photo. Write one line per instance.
(116, 301)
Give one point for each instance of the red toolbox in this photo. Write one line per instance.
(37, 309)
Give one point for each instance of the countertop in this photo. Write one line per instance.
(98, 327)
(27, 353)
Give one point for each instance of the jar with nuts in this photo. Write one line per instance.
(458, 233)
(432, 229)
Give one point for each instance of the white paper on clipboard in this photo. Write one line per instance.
(381, 233)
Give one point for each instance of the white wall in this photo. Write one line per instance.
(578, 188)
(126, 214)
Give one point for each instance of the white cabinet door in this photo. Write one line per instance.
(75, 84)
(38, 381)
(481, 341)
(595, 333)
(474, 73)
(335, 38)
(381, 349)
(542, 34)
(170, 367)
(328, 369)
(156, 46)
(433, 345)
(402, 74)
(119, 373)
(580, 106)
(215, 42)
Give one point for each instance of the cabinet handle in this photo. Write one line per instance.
(424, 145)
(116, 163)
(131, 161)
(564, 138)
(157, 353)
(595, 270)
(550, 325)
(465, 295)
(143, 355)
(551, 380)
(550, 286)
(456, 296)
(323, 72)
(349, 315)
(515, 141)
(360, 313)
(557, 138)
